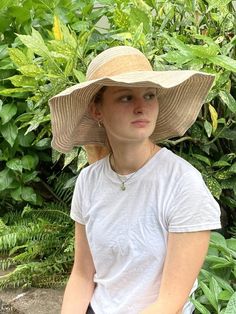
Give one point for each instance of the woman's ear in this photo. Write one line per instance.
(95, 112)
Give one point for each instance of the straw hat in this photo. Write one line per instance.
(180, 95)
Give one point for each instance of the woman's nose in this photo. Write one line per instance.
(139, 105)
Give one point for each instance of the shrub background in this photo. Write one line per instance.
(45, 47)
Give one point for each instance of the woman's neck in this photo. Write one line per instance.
(126, 159)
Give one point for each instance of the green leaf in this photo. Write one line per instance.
(137, 17)
(55, 156)
(233, 168)
(18, 57)
(231, 306)
(43, 143)
(29, 195)
(217, 3)
(79, 75)
(25, 140)
(29, 162)
(16, 194)
(216, 259)
(15, 164)
(8, 111)
(23, 81)
(32, 176)
(69, 67)
(141, 4)
(209, 294)
(69, 157)
(228, 134)
(138, 34)
(231, 243)
(122, 36)
(3, 51)
(229, 100)
(220, 163)
(224, 62)
(223, 283)
(4, 4)
(214, 118)
(213, 186)
(9, 132)
(204, 51)
(6, 179)
(11, 91)
(225, 295)
(231, 202)
(201, 308)
(223, 174)
(31, 70)
(36, 43)
(215, 289)
(177, 57)
(208, 128)
(195, 64)
(202, 158)
(223, 266)
(178, 44)
(218, 238)
(229, 184)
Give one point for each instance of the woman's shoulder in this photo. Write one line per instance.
(176, 162)
(94, 168)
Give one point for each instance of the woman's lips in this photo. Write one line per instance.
(140, 123)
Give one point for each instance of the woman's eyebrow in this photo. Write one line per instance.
(122, 90)
(130, 90)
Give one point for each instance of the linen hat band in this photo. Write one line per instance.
(120, 65)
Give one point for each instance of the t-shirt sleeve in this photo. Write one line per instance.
(76, 212)
(193, 208)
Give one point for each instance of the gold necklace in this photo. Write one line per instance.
(123, 182)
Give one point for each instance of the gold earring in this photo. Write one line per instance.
(99, 123)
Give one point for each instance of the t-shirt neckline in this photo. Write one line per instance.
(113, 176)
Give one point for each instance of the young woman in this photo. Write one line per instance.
(142, 214)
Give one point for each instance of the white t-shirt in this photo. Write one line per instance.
(127, 230)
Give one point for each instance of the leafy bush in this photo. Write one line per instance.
(37, 244)
(217, 280)
(46, 47)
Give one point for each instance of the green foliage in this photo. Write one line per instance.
(217, 280)
(38, 245)
(46, 47)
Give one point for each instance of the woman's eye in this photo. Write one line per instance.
(149, 96)
(125, 98)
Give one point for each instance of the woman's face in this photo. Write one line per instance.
(128, 114)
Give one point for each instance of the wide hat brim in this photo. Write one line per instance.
(180, 96)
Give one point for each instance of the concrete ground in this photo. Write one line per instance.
(31, 301)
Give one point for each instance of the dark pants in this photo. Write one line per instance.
(90, 310)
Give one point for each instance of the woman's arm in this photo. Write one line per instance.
(80, 286)
(185, 255)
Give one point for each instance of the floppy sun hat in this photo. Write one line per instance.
(180, 95)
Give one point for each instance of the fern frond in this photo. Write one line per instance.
(59, 188)
(3, 227)
(6, 263)
(40, 245)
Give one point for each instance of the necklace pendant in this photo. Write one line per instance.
(123, 188)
